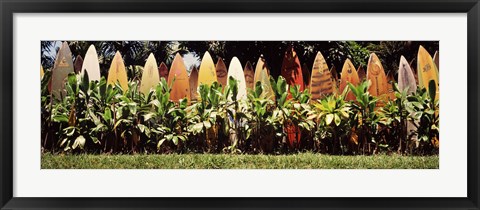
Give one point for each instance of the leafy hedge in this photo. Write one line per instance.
(93, 117)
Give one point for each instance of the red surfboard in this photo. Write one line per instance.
(292, 72)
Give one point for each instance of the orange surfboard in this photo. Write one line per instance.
(150, 77)
(292, 70)
(376, 75)
(117, 72)
(249, 75)
(391, 84)
(262, 76)
(193, 82)
(207, 73)
(178, 80)
(321, 82)
(427, 70)
(163, 71)
(221, 71)
(62, 67)
(348, 75)
(77, 66)
(306, 75)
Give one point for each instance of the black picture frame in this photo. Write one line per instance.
(10, 7)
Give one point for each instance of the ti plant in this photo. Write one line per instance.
(167, 118)
(236, 125)
(260, 120)
(103, 113)
(78, 133)
(396, 119)
(332, 115)
(367, 118)
(130, 107)
(423, 108)
(203, 116)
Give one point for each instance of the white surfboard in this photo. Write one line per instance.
(91, 65)
(235, 70)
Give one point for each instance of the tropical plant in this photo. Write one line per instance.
(367, 117)
(424, 109)
(262, 125)
(332, 115)
(167, 119)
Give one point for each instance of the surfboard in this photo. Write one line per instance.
(117, 72)
(361, 74)
(391, 84)
(77, 65)
(321, 83)
(249, 75)
(426, 69)
(91, 65)
(235, 70)
(41, 72)
(150, 77)
(61, 68)
(221, 71)
(262, 76)
(291, 69)
(406, 77)
(163, 71)
(193, 82)
(306, 75)
(436, 60)
(178, 80)
(207, 73)
(348, 75)
(378, 79)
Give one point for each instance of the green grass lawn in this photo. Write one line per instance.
(225, 161)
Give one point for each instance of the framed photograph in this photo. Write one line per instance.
(239, 105)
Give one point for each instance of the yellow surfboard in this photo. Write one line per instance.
(249, 75)
(62, 67)
(41, 72)
(117, 72)
(262, 76)
(150, 77)
(193, 82)
(321, 82)
(378, 78)
(426, 69)
(178, 80)
(221, 71)
(91, 65)
(207, 73)
(348, 75)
